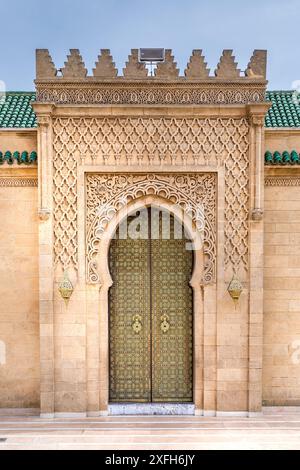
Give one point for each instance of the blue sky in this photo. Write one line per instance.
(183, 25)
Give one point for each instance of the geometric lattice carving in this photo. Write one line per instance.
(194, 193)
(18, 181)
(105, 67)
(282, 181)
(227, 68)
(197, 68)
(237, 198)
(65, 198)
(156, 142)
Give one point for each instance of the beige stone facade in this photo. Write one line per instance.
(19, 338)
(192, 145)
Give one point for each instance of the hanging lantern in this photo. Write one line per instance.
(66, 288)
(235, 289)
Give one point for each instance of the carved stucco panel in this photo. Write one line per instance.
(195, 194)
(18, 181)
(198, 94)
(152, 141)
(237, 199)
(156, 142)
(271, 181)
(65, 198)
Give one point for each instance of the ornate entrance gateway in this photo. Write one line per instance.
(129, 317)
(151, 311)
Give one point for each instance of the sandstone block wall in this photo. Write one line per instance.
(19, 315)
(281, 363)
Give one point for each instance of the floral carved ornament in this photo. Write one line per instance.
(195, 194)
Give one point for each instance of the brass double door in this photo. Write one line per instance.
(151, 314)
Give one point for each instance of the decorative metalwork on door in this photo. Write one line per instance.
(151, 312)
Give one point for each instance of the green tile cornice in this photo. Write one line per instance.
(282, 158)
(20, 158)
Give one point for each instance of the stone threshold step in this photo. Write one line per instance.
(151, 409)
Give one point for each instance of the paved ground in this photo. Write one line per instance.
(273, 430)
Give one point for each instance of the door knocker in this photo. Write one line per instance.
(165, 323)
(137, 323)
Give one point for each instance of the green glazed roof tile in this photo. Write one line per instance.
(16, 110)
(285, 110)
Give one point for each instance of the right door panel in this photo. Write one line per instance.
(172, 318)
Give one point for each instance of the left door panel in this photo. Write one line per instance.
(129, 321)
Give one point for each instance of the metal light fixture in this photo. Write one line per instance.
(66, 288)
(235, 289)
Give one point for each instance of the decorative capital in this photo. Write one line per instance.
(44, 214)
(257, 120)
(43, 111)
(43, 121)
(256, 113)
(257, 215)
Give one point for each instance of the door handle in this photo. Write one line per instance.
(165, 323)
(137, 323)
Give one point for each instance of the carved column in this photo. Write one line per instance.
(256, 149)
(46, 260)
(256, 248)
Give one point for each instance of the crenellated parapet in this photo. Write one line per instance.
(45, 68)
(74, 66)
(73, 84)
(105, 67)
(168, 68)
(257, 66)
(134, 68)
(227, 67)
(197, 67)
